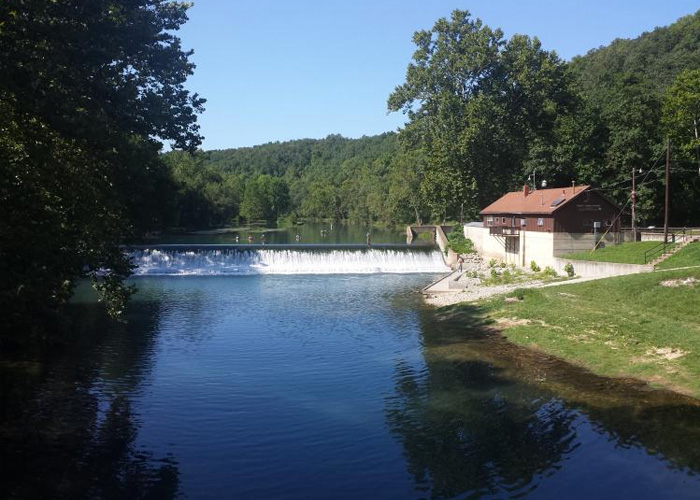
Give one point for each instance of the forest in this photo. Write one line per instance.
(484, 113)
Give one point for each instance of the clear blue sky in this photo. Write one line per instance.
(275, 70)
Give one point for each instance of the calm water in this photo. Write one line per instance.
(325, 386)
(309, 233)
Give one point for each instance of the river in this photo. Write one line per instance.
(260, 384)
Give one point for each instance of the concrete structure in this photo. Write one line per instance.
(526, 226)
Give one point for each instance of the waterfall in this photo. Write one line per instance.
(156, 261)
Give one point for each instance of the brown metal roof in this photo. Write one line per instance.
(541, 201)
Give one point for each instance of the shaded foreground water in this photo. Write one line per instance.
(342, 386)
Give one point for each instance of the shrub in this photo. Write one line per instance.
(458, 243)
(549, 272)
(506, 276)
(535, 268)
(569, 268)
(494, 274)
(492, 263)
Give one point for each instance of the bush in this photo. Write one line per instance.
(506, 277)
(549, 272)
(458, 243)
(569, 268)
(492, 263)
(535, 268)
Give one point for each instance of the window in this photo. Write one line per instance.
(540, 221)
(489, 220)
(503, 220)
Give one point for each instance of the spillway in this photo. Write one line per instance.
(210, 260)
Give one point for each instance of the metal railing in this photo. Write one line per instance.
(660, 249)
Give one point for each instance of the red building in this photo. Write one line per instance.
(576, 209)
(541, 225)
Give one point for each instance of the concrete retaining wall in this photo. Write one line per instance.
(546, 248)
(579, 242)
(586, 268)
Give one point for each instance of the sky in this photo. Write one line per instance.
(278, 70)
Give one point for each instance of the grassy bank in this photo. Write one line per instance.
(686, 257)
(632, 326)
(625, 253)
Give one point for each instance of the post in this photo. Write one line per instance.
(634, 203)
(668, 168)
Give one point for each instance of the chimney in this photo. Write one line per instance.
(573, 186)
(526, 190)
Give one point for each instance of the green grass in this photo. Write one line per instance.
(630, 326)
(686, 257)
(625, 253)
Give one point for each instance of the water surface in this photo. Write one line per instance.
(325, 386)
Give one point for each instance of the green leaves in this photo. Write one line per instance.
(681, 111)
(266, 198)
(87, 89)
(476, 104)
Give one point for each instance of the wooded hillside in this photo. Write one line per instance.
(483, 114)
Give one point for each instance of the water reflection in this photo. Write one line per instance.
(483, 417)
(68, 427)
(309, 232)
(468, 437)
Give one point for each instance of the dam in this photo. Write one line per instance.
(184, 259)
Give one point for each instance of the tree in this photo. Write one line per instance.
(681, 112)
(680, 121)
(88, 89)
(265, 198)
(476, 104)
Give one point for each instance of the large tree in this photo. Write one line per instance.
(479, 107)
(88, 91)
(681, 121)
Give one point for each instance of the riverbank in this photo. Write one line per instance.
(642, 326)
(482, 279)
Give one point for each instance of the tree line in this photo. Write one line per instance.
(483, 114)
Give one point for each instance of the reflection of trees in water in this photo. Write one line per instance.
(70, 432)
(671, 431)
(460, 434)
(486, 415)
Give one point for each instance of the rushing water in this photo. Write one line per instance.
(261, 386)
(238, 261)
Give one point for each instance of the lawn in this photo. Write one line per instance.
(686, 257)
(630, 326)
(625, 253)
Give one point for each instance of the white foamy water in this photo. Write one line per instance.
(151, 262)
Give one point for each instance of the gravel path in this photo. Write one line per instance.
(473, 293)
(475, 290)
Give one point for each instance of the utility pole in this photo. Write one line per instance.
(634, 203)
(668, 168)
